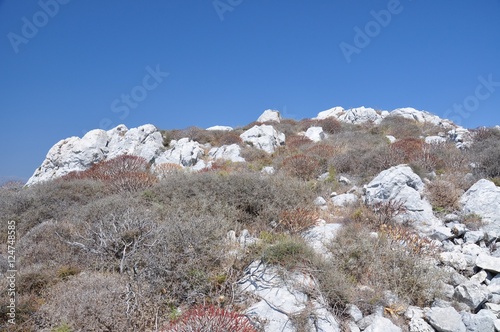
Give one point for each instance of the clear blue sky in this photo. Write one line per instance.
(68, 68)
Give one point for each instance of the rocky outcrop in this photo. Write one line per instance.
(184, 152)
(220, 128)
(76, 154)
(269, 116)
(421, 116)
(354, 115)
(227, 152)
(263, 137)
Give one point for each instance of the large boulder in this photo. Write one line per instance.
(401, 184)
(334, 112)
(270, 116)
(361, 115)
(264, 137)
(315, 134)
(77, 154)
(227, 152)
(280, 298)
(184, 152)
(483, 199)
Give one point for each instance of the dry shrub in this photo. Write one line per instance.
(166, 169)
(383, 264)
(228, 138)
(385, 212)
(409, 148)
(409, 239)
(302, 166)
(297, 142)
(400, 127)
(90, 302)
(322, 151)
(296, 220)
(210, 318)
(484, 153)
(443, 195)
(330, 125)
(123, 173)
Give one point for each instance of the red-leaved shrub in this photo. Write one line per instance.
(211, 318)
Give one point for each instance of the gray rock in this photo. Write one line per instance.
(454, 259)
(482, 199)
(270, 116)
(445, 320)
(344, 180)
(343, 200)
(488, 262)
(497, 325)
(483, 321)
(319, 201)
(479, 277)
(320, 235)
(382, 324)
(494, 308)
(360, 115)
(420, 325)
(269, 170)
(227, 152)
(352, 327)
(400, 183)
(434, 140)
(441, 233)
(472, 294)
(458, 229)
(354, 312)
(264, 137)
(450, 217)
(474, 236)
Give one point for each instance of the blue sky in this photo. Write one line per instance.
(71, 66)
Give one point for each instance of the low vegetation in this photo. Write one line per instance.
(123, 247)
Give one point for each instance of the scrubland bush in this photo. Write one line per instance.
(330, 125)
(485, 152)
(400, 127)
(381, 264)
(443, 195)
(302, 166)
(297, 142)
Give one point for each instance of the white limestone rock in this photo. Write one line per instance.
(78, 154)
(184, 152)
(435, 140)
(227, 152)
(334, 112)
(489, 263)
(483, 199)
(344, 200)
(421, 116)
(360, 115)
(382, 324)
(472, 294)
(264, 137)
(315, 134)
(269, 116)
(400, 183)
(279, 298)
(220, 128)
(319, 236)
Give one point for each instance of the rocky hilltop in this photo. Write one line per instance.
(354, 220)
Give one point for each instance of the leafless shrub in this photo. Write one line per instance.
(443, 195)
(302, 166)
(296, 143)
(400, 127)
(409, 239)
(297, 220)
(166, 169)
(484, 153)
(89, 302)
(330, 125)
(387, 211)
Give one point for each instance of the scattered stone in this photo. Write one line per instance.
(479, 277)
(380, 324)
(419, 325)
(391, 139)
(344, 200)
(472, 294)
(354, 312)
(473, 236)
(319, 201)
(483, 321)
(494, 308)
(445, 320)
(268, 170)
(454, 259)
(344, 180)
(488, 262)
(435, 140)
